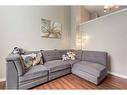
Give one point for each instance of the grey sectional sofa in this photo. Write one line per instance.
(90, 65)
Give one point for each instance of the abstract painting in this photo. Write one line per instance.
(50, 29)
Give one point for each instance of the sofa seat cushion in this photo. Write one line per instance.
(57, 65)
(94, 69)
(78, 54)
(34, 72)
(71, 61)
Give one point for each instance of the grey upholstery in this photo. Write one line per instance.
(34, 72)
(56, 65)
(59, 73)
(95, 56)
(16, 59)
(17, 74)
(78, 55)
(32, 83)
(94, 69)
(13, 57)
(63, 52)
(29, 52)
(71, 62)
(49, 55)
(58, 68)
(11, 76)
(77, 52)
(33, 77)
(90, 65)
(87, 76)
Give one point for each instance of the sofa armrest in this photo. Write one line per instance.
(13, 57)
(11, 76)
(18, 63)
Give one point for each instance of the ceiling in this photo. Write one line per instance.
(100, 9)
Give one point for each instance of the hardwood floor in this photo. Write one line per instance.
(73, 82)
(2, 85)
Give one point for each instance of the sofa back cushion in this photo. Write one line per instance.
(62, 52)
(95, 56)
(32, 58)
(49, 55)
(78, 54)
(30, 52)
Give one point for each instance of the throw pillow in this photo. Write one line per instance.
(32, 59)
(65, 57)
(71, 55)
(18, 51)
(28, 59)
(38, 59)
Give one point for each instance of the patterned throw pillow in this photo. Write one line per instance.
(65, 57)
(38, 59)
(18, 51)
(71, 55)
(32, 59)
(28, 59)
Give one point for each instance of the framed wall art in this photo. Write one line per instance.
(51, 29)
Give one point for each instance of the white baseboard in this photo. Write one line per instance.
(116, 74)
(2, 79)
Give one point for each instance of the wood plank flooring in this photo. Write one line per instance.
(2, 85)
(71, 82)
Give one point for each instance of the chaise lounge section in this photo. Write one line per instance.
(90, 65)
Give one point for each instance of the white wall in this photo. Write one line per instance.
(109, 33)
(20, 26)
(75, 20)
(78, 15)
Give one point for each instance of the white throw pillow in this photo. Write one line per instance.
(65, 57)
(71, 55)
(38, 59)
